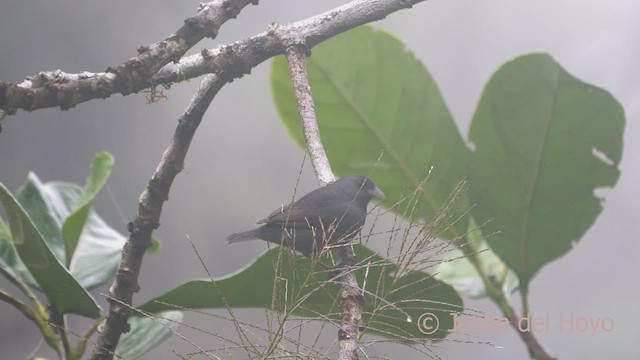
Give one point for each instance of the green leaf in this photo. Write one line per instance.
(147, 333)
(202, 294)
(43, 208)
(403, 301)
(10, 264)
(540, 138)
(380, 113)
(72, 227)
(260, 286)
(99, 248)
(457, 271)
(61, 289)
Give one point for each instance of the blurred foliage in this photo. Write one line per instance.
(56, 243)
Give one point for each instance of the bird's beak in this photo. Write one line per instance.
(376, 192)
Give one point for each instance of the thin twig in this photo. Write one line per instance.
(296, 55)
(352, 299)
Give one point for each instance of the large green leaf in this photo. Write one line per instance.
(544, 141)
(376, 101)
(72, 227)
(260, 286)
(99, 247)
(64, 293)
(146, 333)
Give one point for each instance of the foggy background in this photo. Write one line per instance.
(242, 163)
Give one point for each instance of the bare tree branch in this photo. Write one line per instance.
(296, 55)
(351, 306)
(150, 203)
(148, 217)
(250, 52)
(48, 90)
(56, 88)
(352, 300)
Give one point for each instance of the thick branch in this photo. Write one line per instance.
(56, 88)
(251, 52)
(148, 217)
(240, 56)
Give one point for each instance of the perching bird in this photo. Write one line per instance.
(330, 214)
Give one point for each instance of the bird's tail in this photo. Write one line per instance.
(241, 236)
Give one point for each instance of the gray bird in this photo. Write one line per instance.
(328, 215)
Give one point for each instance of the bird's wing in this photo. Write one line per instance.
(321, 205)
(290, 213)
